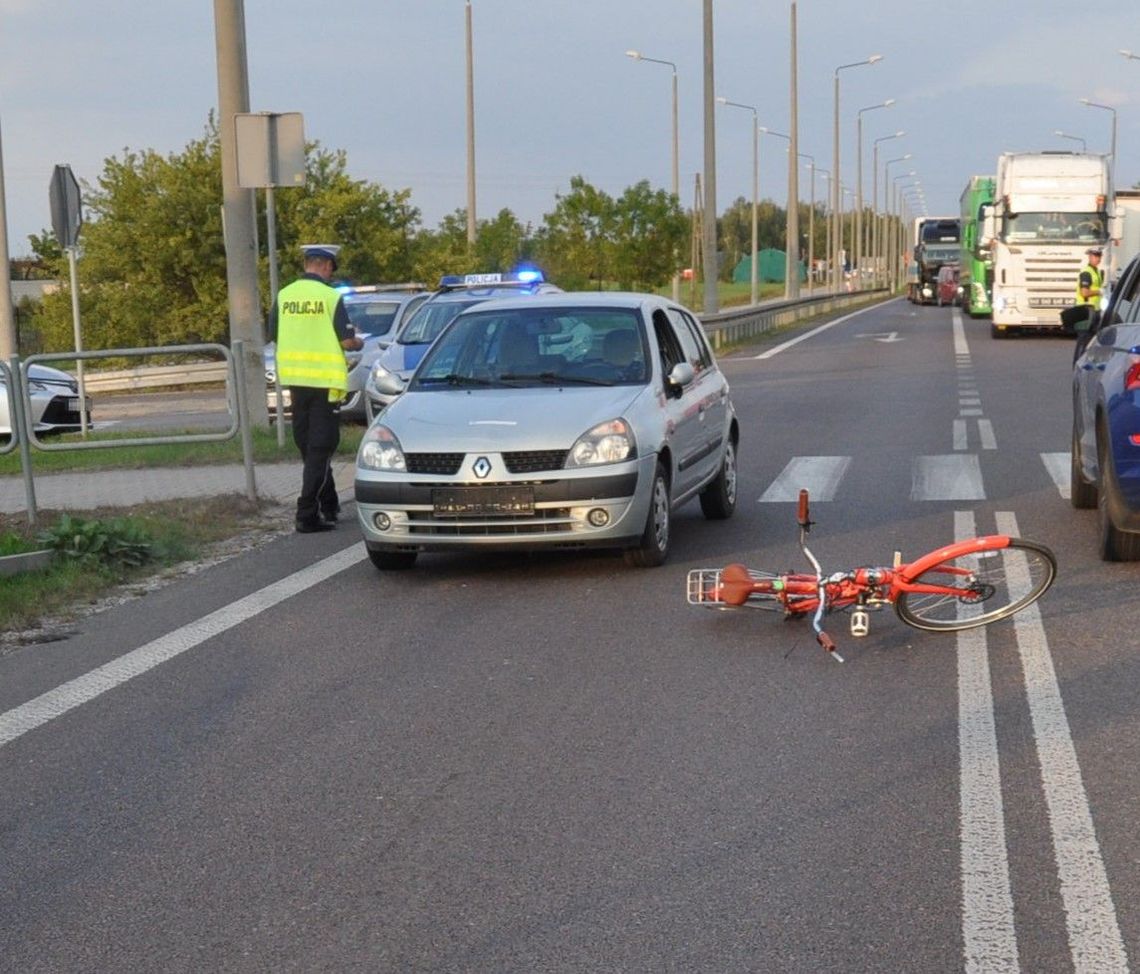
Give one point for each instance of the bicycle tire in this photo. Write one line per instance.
(1014, 583)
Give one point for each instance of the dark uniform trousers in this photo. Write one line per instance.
(316, 431)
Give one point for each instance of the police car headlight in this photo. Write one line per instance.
(380, 450)
(609, 442)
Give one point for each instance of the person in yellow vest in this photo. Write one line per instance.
(309, 323)
(1090, 280)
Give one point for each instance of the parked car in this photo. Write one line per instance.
(1105, 469)
(949, 291)
(377, 312)
(54, 398)
(567, 420)
(454, 295)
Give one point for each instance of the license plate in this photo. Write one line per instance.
(73, 405)
(482, 501)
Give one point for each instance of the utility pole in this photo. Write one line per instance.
(7, 320)
(712, 274)
(792, 229)
(238, 214)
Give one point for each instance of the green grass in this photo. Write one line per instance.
(265, 450)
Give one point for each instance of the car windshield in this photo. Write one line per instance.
(430, 319)
(1053, 227)
(369, 316)
(531, 346)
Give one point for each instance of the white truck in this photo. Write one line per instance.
(1049, 208)
(1126, 232)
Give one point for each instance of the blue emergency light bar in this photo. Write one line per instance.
(526, 275)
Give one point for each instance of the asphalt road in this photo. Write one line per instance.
(553, 763)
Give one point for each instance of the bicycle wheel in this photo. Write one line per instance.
(996, 584)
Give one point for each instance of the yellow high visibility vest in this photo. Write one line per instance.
(308, 351)
(1097, 282)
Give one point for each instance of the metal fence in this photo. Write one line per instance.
(740, 324)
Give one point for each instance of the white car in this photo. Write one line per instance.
(54, 398)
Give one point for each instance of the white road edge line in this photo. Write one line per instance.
(68, 696)
(816, 331)
(1094, 934)
(988, 932)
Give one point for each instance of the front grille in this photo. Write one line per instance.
(57, 413)
(546, 520)
(531, 461)
(440, 464)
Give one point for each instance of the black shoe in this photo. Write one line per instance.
(311, 527)
(330, 516)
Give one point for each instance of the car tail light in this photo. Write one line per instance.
(1132, 376)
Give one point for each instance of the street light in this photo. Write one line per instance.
(858, 222)
(1075, 138)
(1129, 55)
(1107, 108)
(787, 243)
(826, 174)
(876, 240)
(638, 56)
(837, 200)
(896, 199)
(753, 274)
(811, 221)
(470, 134)
(887, 237)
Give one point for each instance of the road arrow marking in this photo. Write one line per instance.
(881, 336)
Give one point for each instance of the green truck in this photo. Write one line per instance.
(977, 269)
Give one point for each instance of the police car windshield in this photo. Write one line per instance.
(431, 318)
(369, 316)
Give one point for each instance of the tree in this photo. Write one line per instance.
(576, 243)
(649, 229)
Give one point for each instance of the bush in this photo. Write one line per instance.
(117, 543)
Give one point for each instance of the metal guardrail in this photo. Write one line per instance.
(154, 376)
(24, 436)
(739, 324)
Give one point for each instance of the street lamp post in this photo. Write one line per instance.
(811, 221)
(890, 247)
(754, 274)
(837, 201)
(638, 56)
(858, 221)
(1075, 138)
(876, 240)
(788, 249)
(470, 134)
(1107, 108)
(828, 249)
(898, 242)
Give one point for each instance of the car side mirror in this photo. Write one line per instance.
(682, 375)
(389, 384)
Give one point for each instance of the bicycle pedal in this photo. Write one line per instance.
(860, 622)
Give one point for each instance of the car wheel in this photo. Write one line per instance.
(996, 332)
(718, 499)
(1115, 545)
(1082, 494)
(392, 561)
(653, 546)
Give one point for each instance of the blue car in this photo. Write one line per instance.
(1106, 420)
(455, 294)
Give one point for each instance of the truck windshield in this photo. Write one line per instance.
(1055, 227)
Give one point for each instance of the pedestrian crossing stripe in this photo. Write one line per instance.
(949, 477)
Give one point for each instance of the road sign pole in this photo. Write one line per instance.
(78, 340)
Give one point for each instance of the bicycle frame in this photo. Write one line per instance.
(816, 594)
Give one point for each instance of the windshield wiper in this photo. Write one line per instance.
(553, 378)
(454, 379)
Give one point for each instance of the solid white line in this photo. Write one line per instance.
(951, 477)
(988, 932)
(1058, 466)
(820, 476)
(1094, 934)
(70, 695)
(815, 331)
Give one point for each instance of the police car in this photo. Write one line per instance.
(377, 312)
(455, 294)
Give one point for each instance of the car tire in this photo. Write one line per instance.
(652, 547)
(1114, 544)
(392, 561)
(718, 499)
(998, 333)
(1082, 494)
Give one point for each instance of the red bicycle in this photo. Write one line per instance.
(960, 586)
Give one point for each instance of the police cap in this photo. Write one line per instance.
(323, 251)
(1099, 252)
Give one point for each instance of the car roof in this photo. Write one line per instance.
(585, 299)
(486, 292)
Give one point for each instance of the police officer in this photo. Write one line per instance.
(1090, 281)
(310, 325)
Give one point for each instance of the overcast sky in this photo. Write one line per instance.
(555, 95)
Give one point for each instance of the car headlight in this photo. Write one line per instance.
(608, 442)
(380, 450)
(377, 371)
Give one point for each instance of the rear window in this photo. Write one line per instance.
(370, 316)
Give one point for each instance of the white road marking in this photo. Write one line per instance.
(1058, 466)
(961, 349)
(776, 350)
(819, 475)
(986, 432)
(951, 477)
(68, 696)
(988, 932)
(1094, 934)
(960, 440)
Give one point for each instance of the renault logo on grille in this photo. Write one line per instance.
(482, 467)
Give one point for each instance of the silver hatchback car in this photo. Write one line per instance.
(568, 420)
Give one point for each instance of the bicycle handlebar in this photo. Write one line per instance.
(802, 514)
